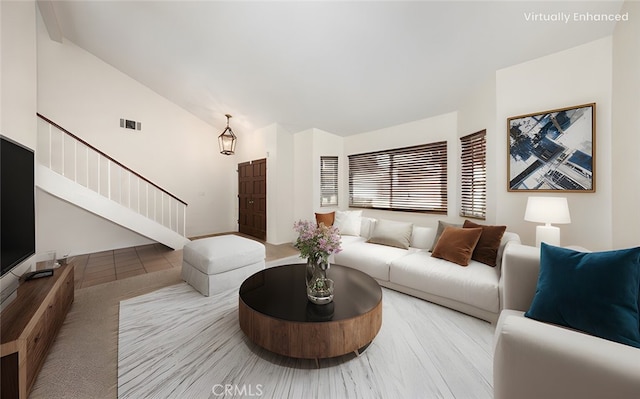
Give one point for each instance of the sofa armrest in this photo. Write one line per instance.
(520, 268)
(539, 360)
(508, 238)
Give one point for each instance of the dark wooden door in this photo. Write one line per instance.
(252, 198)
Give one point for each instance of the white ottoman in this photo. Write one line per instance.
(215, 264)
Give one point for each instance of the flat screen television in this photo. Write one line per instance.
(17, 204)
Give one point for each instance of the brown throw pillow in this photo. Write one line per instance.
(326, 218)
(456, 244)
(441, 226)
(486, 250)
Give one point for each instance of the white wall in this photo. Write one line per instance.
(280, 186)
(89, 234)
(303, 205)
(276, 144)
(476, 114)
(626, 130)
(252, 144)
(18, 71)
(299, 189)
(437, 128)
(174, 149)
(18, 94)
(576, 76)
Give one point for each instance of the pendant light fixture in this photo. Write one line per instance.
(227, 140)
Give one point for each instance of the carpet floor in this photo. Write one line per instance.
(83, 361)
(175, 343)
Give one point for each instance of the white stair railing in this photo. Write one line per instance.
(75, 159)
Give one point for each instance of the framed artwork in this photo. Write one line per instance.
(553, 151)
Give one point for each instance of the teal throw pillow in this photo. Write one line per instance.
(594, 292)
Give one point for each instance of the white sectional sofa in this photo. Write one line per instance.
(535, 360)
(473, 289)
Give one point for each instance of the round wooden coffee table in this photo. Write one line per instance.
(274, 312)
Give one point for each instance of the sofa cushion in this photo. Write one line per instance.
(422, 237)
(391, 233)
(345, 241)
(476, 284)
(348, 222)
(457, 244)
(486, 251)
(326, 218)
(366, 227)
(441, 226)
(372, 259)
(594, 292)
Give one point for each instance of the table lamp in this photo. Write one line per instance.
(547, 210)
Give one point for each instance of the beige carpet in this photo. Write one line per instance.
(83, 360)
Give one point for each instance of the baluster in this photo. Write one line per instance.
(184, 220)
(50, 148)
(75, 161)
(86, 165)
(62, 152)
(138, 188)
(109, 178)
(146, 196)
(155, 205)
(119, 185)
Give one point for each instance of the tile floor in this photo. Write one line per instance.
(106, 266)
(103, 267)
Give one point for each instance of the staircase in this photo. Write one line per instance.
(76, 172)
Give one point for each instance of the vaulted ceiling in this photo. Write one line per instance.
(344, 67)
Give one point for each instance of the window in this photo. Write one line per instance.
(473, 181)
(403, 179)
(328, 181)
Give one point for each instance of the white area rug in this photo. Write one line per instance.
(175, 343)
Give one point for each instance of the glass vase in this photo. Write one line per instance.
(319, 287)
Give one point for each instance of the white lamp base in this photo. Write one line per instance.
(549, 234)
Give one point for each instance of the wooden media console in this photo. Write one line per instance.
(28, 327)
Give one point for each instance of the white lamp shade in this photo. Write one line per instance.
(547, 210)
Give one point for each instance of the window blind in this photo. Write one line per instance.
(403, 179)
(473, 179)
(328, 181)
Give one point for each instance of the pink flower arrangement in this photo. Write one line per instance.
(316, 242)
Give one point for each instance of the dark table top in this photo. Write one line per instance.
(280, 292)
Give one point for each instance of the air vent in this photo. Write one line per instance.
(129, 124)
